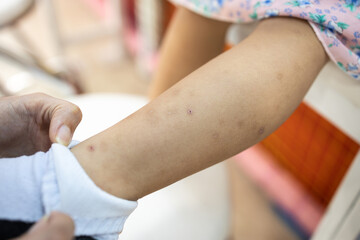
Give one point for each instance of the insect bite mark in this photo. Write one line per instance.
(91, 148)
(261, 130)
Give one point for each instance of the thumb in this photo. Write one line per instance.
(56, 226)
(64, 120)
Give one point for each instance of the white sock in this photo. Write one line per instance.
(56, 181)
(20, 187)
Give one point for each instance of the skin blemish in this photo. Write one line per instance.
(91, 148)
(279, 76)
(240, 124)
(261, 130)
(189, 112)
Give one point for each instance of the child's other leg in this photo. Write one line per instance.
(190, 42)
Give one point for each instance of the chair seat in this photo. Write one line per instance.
(10, 10)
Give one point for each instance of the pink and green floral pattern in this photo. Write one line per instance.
(335, 22)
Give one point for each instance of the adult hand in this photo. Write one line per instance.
(31, 123)
(56, 226)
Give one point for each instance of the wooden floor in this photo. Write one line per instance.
(103, 70)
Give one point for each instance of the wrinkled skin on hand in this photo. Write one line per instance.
(31, 123)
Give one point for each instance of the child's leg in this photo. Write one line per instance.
(227, 105)
(190, 42)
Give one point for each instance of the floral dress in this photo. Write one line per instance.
(335, 22)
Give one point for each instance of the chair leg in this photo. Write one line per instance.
(69, 76)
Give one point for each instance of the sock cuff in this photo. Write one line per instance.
(20, 194)
(66, 187)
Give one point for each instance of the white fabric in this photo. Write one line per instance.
(94, 211)
(31, 186)
(20, 187)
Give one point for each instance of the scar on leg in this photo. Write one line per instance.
(261, 130)
(91, 148)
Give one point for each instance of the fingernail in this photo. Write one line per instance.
(63, 135)
(45, 218)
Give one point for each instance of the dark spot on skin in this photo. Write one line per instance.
(279, 76)
(240, 124)
(189, 112)
(261, 130)
(91, 148)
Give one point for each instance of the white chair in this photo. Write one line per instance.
(11, 12)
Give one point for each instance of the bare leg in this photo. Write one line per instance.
(227, 105)
(190, 42)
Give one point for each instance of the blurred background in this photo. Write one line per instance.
(98, 53)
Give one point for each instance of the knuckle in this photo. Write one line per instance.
(77, 111)
(39, 95)
(62, 225)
